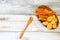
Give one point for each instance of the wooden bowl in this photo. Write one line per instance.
(46, 7)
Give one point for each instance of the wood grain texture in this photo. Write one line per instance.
(26, 7)
(18, 22)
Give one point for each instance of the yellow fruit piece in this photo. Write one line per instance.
(53, 21)
(54, 18)
(55, 25)
(49, 18)
(45, 23)
(49, 26)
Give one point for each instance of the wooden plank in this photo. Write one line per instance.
(27, 36)
(18, 22)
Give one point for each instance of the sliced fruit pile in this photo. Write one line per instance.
(47, 17)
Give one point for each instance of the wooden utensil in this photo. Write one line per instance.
(29, 22)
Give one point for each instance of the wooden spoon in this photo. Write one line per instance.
(46, 7)
(29, 22)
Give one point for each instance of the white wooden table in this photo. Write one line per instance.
(29, 36)
(10, 29)
(18, 12)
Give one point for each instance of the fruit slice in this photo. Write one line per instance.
(49, 26)
(45, 23)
